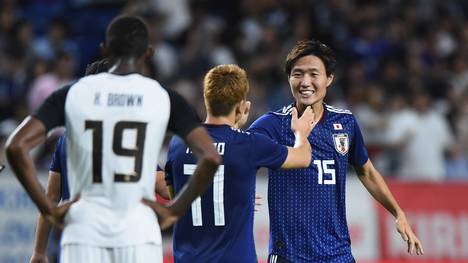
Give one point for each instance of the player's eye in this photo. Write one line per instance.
(297, 74)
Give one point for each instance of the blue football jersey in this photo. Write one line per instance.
(59, 165)
(307, 206)
(219, 225)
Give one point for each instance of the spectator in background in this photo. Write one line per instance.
(421, 136)
(370, 112)
(457, 162)
(390, 43)
(165, 59)
(61, 73)
(56, 41)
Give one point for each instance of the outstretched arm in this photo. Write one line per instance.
(376, 186)
(43, 227)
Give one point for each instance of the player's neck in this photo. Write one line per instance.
(124, 66)
(317, 108)
(220, 120)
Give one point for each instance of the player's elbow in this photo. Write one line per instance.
(13, 147)
(212, 158)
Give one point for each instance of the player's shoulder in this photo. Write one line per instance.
(232, 135)
(176, 142)
(95, 79)
(339, 116)
(282, 112)
(240, 132)
(272, 121)
(340, 113)
(274, 116)
(248, 138)
(336, 110)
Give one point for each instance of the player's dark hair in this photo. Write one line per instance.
(127, 36)
(96, 67)
(311, 47)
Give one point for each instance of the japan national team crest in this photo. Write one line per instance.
(341, 143)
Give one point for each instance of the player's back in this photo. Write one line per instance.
(115, 128)
(219, 226)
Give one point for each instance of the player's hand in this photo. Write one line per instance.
(305, 123)
(258, 202)
(38, 258)
(243, 115)
(403, 227)
(58, 213)
(166, 216)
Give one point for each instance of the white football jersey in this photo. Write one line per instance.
(115, 129)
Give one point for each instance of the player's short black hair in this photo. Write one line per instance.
(127, 36)
(96, 67)
(311, 47)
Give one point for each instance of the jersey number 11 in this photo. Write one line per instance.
(218, 198)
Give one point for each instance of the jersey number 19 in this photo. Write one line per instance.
(117, 148)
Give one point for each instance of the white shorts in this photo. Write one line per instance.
(78, 253)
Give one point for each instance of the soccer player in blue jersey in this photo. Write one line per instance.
(219, 226)
(307, 206)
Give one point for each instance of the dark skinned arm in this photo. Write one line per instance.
(28, 135)
(208, 161)
(43, 227)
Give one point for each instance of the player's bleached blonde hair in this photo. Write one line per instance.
(223, 87)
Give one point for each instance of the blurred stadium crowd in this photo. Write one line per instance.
(402, 65)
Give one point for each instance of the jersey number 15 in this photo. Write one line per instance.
(323, 169)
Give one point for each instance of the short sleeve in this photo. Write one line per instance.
(266, 125)
(267, 153)
(358, 153)
(56, 164)
(52, 112)
(170, 159)
(183, 118)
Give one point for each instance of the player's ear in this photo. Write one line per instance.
(238, 110)
(330, 79)
(103, 49)
(149, 53)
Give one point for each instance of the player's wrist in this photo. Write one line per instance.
(39, 254)
(399, 215)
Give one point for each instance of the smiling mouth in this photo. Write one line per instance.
(307, 93)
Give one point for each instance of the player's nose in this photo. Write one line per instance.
(306, 81)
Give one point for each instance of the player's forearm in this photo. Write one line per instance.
(208, 161)
(376, 186)
(300, 155)
(23, 167)
(199, 181)
(42, 235)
